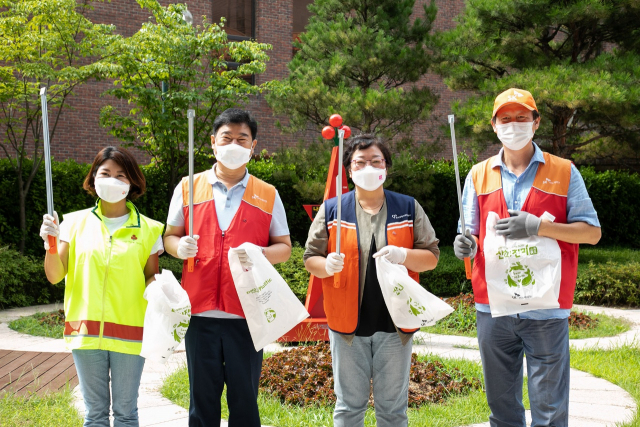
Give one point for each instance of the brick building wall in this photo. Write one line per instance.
(80, 136)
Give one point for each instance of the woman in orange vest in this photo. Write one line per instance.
(365, 344)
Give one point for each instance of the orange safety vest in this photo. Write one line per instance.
(342, 292)
(548, 193)
(210, 286)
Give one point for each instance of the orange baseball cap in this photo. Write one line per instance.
(514, 96)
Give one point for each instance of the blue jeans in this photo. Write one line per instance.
(93, 368)
(381, 357)
(503, 341)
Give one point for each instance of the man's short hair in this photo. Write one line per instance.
(237, 116)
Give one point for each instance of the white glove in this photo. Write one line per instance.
(334, 263)
(245, 261)
(49, 227)
(187, 247)
(393, 254)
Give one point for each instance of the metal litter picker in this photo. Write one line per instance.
(336, 277)
(467, 261)
(191, 114)
(53, 245)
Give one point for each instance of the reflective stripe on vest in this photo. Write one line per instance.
(548, 193)
(342, 304)
(103, 301)
(210, 285)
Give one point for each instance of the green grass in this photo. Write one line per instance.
(30, 325)
(620, 366)
(608, 326)
(468, 409)
(52, 410)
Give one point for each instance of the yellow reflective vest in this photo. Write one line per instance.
(103, 301)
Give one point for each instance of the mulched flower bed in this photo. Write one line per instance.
(582, 321)
(303, 376)
(54, 318)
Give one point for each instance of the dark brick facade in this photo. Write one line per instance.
(80, 136)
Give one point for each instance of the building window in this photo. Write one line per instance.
(300, 18)
(239, 15)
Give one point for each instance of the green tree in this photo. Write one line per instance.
(579, 59)
(197, 68)
(43, 43)
(361, 59)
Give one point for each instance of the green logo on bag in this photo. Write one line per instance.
(398, 289)
(415, 308)
(270, 315)
(519, 275)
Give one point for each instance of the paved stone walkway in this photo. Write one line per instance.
(593, 401)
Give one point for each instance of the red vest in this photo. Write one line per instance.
(548, 193)
(342, 291)
(210, 285)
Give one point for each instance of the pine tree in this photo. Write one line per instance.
(579, 58)
(361, 59)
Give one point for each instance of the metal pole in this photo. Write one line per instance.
(53, 246)
(191, 114)
(339, 188)
(467, 261)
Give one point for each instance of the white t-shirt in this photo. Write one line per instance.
(112, 225)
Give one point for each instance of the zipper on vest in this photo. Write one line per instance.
(220, 272)
(104, 293)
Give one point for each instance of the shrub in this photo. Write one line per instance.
(303, 376)
(23, 281)
(294, 273)
(448, 278)
(608, 284)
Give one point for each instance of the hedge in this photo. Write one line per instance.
(432, 183)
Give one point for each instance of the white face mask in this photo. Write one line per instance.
(369, 178)
(111, 190)
(516, 135)
(233, 156)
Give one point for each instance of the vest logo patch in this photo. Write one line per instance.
(519, 275)
(255, 196)
(394, 216)
(270, 314)
(548, 181)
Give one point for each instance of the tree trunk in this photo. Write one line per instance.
(23, 212)
(560, 120)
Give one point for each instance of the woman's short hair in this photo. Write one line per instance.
(123, 158)
(362, 142)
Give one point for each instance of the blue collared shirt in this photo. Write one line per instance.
(515, 189)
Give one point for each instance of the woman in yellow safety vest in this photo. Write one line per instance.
(108, 253)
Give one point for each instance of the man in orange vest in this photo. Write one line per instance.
(231, 207)
(534, 194)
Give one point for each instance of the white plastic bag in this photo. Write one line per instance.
(167, 317)
(521, 274)
(269, 305)
(409, 304)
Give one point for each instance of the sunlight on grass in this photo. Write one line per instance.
(52, 410)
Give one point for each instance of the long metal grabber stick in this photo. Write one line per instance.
(467, 260)
(336, 279)
(191, 114)
(53, 245)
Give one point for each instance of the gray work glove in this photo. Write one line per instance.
(465, 246)
(519, 225)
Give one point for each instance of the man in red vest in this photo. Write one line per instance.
(231, 207)
(534, 194)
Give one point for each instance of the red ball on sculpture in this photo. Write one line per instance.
(328, 132)
(347, 131)
(335, 120)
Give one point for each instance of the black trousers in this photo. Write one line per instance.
(219, 352)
